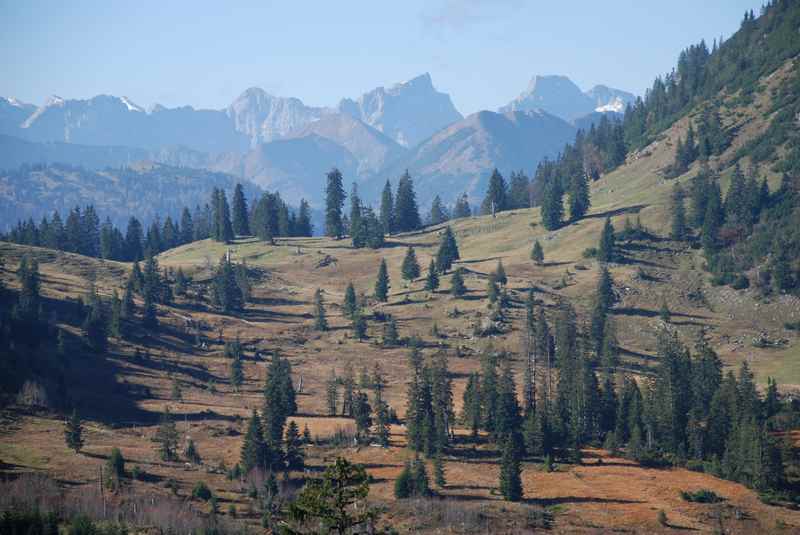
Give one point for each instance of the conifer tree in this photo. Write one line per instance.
(471, 411)
(222, 228)
(438, 470)
(496, 199)
(410, 267)
(438, 212)
(462, 208)
(303, 225)
(279, 400)
(334, 200)
(606, 251)
(381, 409)
(457, 287)
(406, 212)
(350, 304)
(500, 274)
(510, 470)
(73, 432)
(320, 321)
(678, 231)
(714, 218)
(115, 323)
(552, 205)
(356, 229)
(537, 254)
(236, 372)
(227, 294)
(519, 191)
(332, 392)
(578, 196)
(294, 457)
(167, 437)
(382, 282)
(432, 279)
(191, 454)
(391, 337)
(241, 225)
(255, 452)
(419, 476)
(387, 209)
(359, 325)
(448, 251)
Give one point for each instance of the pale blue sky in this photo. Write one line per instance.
(206, 53)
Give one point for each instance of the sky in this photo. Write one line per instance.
(204, 54)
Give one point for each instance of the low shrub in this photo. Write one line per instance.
(701, 496)
(590, 252)
(201, 491)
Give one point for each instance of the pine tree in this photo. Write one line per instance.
(391, 337)
(227, 294)
(356, 229)
(332, 392)
(381, 412)
(714, 218)
(537, 254)
(222, 228)
(303, 225)
(438, 470)
(438, 212)
(462, 208)
(448, 251)
(496, 199)
(406, 212)
(410, 268)
(73, 432)
(191, 454)
(279, 400)
(387, 209)
(432, 280)
(578, 196)
(519, 191)
(471, 412)
(294, 457)
(606, 251)
(361, 415)
(552, 209)
(382, 283)
(115, 323)
(678, 214)
(236, 372)
(241, 224)
(254, 452)
(350, 304)
(419, 476)
(404, 484)
(320, 321)
(500, 274)
(457, 287)
(187, 227)
(510, 470)
(334, 200)
(167, 437)
(359, 325)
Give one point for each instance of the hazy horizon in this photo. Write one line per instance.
(481, 53)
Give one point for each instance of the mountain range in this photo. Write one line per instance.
(282, 143)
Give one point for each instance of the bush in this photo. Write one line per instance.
(695, 465)
(201, 491)
(701, 496)
(662, 518)
(792, 326)
(590, 252)
(741, 282)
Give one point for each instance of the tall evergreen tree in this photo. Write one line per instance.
(457, 287)
(537, 254)
(227, 293)
(241, 224)
(167, 437)
(382, 282)
(334, 200)
(448, 251)
(496, 199)
(578, 195)
(510, 469)
(410, 267)
(606, 251)
(303, 225)
(519, 191)
(552, 208)
(406, 212)
(255, 452)
(432, 279)
(73, 432)
(438, 212)
(320, 321)
(387, 209)
(462, 208)
(678, 231)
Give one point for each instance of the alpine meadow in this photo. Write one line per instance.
(577, 313)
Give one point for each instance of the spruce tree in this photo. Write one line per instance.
(537, 254)
(73, 432)
(350, 304)
(115, 323)
(320, 321)
(578, 196)
(254, 452)
(406, 212)
(294, 457)
(606, 251)
(500, 274)
(519, 191)
(303, 226)
(334, 200)
(279, 400)
(438, 470)
(227, 294)
(387, 209)
(432, 279)
(359, 325)
(714, 218)
(167, 437)
(552, 208)
(510, 470)
(191, 454)
(332, 392)
(496, 199)
(382, 282)
(357, 233)
(678, 231)
(236, 372)
(462, 208)
(241, 225)
(438, 212)
(457, 287)
(391, 337)
(410, 267)
(448, 251)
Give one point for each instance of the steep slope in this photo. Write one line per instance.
(461, 157)
(264, 117)
(294, 167)
(408, 112)
(371, 148)
(108, 120)
(12, 114)
(560, 96)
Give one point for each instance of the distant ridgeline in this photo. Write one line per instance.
(81, 231)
